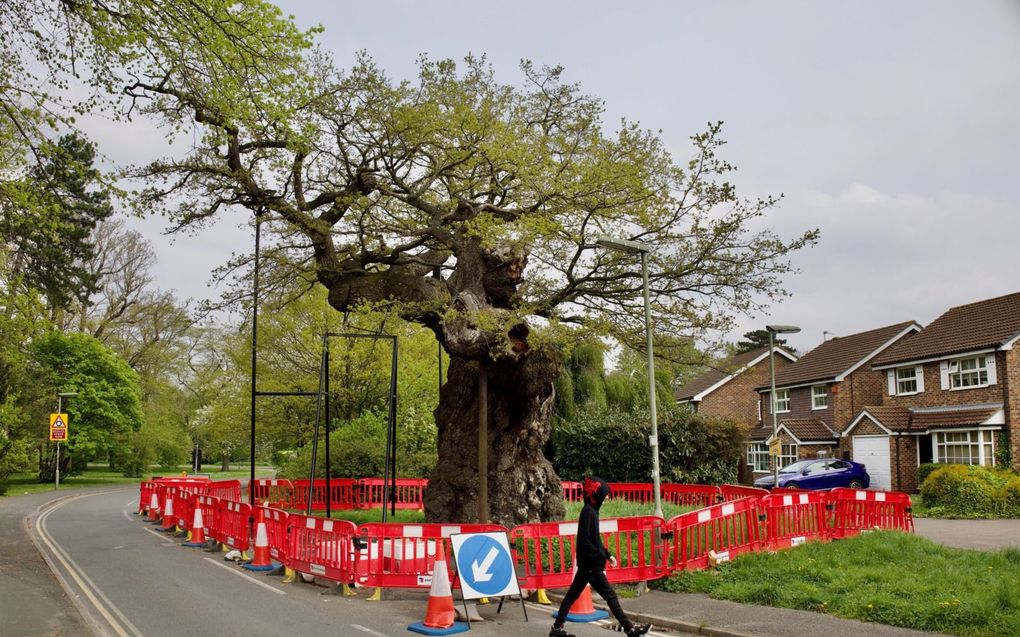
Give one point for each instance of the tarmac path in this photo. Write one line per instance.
(128, 580)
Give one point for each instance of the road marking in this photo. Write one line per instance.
(124, 628)
(166, 541)
(368, 630)
(127, 516)
(131, 503)
(247, 577)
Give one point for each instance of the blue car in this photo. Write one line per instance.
(820, 474)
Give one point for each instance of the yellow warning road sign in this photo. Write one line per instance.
(58, 427)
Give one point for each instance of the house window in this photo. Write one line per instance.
(758, 456)
(819, 397)
(782, 401)
(906, 380)
(965, 447)
(968, 372)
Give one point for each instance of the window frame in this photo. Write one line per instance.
(777, 401)
(979, 441)
(824, 396)
(957, 374)
(756, 451)
(900, 391)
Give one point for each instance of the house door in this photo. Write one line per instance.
(873, 453)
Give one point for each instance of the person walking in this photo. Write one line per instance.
(591, 557)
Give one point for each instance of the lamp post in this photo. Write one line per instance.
(60, 410)
(773, 330)
(643, 249)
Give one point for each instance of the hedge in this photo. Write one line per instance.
(971, 491)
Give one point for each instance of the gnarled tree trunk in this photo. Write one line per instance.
(522, 486)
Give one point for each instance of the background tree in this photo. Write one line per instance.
(756, 339)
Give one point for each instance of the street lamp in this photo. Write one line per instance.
(632, 247)
(773, 330)
(60, 410)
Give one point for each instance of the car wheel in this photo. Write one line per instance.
(792, 485)
(855, 484)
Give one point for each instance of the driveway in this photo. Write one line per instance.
(985, 535)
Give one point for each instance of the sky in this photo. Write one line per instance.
(891, 126)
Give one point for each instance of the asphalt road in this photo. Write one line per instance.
(130, 581)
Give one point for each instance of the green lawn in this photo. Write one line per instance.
(100, 475)
(885, 577)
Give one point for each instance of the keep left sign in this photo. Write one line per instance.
(484, 564)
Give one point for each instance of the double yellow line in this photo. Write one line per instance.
(121, 625)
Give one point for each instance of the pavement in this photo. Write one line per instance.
(33, 603)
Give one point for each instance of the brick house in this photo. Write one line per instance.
(951, 394)
(819, 395)
(728, 389)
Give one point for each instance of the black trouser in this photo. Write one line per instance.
(597, 578)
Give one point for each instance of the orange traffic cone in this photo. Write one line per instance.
(439, 614)
(197, 528)
(153, 508)
(582, 610)
(260, 557)
(169, 521)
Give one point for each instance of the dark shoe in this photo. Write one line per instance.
(638, 629)
(557, 631)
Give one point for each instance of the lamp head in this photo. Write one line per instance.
(782, 329)
(623, 245)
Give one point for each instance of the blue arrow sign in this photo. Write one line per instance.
(485, 565)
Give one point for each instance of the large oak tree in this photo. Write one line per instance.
(456, 201)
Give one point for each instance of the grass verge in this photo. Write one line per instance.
(100, 475)
(884, 577)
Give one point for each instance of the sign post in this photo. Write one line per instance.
(485, 566)
(58, 434)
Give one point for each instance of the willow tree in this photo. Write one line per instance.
(466, 205)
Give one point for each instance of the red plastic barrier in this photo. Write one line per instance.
(401, 555)
(699, 495)
(409, 493)
(343, 494)
(232, 527)
(544, 551)
(224, 490)
(210, 514)
(731, 492)
(856, 510)
(726, 530)
(792, 519)
(639, 492)
(321, 546)
(572, 491)
(276, 530)
(276, 493)
(184, 510)
(145, 489)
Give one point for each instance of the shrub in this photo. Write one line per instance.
(613, 444)
(924, 470)
(972, 491)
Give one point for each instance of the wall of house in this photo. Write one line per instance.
(934, 396)
(862, 388)
(1012, 402)
(738, 399)
(800, 406)
(903, 463)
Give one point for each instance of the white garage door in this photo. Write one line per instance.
(873, 453)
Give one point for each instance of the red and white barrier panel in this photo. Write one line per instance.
(856, 510)
(276, 530)
(791, 519)
(210, 514)
(731, 492)
(408, 493)
(274, 493)
(714, 534)
(223, 489)
(145, 489)
(572, 491)
(342, 494)
(699, 495)
(544, 551)
(184, 510)
(395, 555)
(639, 492)
(321, 546)
(232, 526)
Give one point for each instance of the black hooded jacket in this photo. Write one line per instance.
(590, 550)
